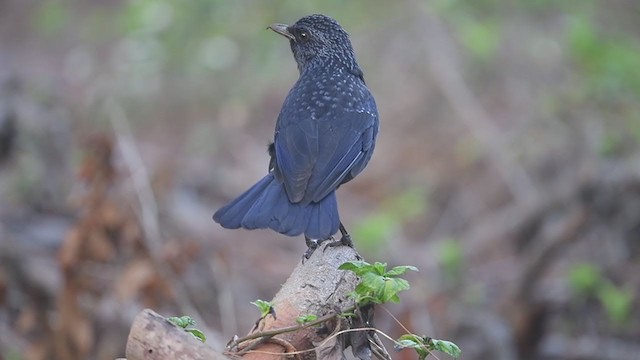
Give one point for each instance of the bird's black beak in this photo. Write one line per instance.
(283, 30)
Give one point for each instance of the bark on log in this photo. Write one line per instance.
(154, 337)
(315, 287)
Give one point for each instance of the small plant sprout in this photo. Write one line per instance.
(265, 307)
(377, 285)
(186, 322)
(303, 319)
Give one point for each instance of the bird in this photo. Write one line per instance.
(324, 137)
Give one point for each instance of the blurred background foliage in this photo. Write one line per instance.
(506, 169)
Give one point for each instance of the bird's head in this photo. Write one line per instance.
(318, 39)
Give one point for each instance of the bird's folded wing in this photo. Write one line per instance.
(296, 146)
(314, 156)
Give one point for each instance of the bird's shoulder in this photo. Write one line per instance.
(321, 95)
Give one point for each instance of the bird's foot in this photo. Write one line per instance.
(345, 240)
(312, 245)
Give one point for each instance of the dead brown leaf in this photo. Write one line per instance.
(136, 275)
(75, 324)
(70, 248)
(99, 247)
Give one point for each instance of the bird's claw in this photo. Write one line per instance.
(312, 245)
(345, 240)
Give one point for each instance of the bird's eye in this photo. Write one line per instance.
(304, 36)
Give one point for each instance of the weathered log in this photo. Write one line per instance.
(154, 337)
(316, 287)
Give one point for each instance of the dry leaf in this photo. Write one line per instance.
(70, 248)
(331, 347)
(99, 247)
(110, 215)
(136, 275)
(80, 332)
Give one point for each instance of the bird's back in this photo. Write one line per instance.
(325, 132)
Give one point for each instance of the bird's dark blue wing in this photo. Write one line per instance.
(317, 151)
(296, 148)
(347, 147)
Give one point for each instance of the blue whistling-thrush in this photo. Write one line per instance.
(324, 137)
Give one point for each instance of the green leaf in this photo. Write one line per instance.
(376, 284)
(369, 299)
(265, 307)
(303, 319)
(361, 290)
(197, 334)
(175, 321)
(391, 288)
(182, 321)
(617, 302)
(411, 341)
(380, 268)
(414, 338)
(372, 281)
(348, 315)
(446, 347)
(358, 267)
(424, 345)
(406, 343)
(420, 349)
(584, 279)
(399, 270)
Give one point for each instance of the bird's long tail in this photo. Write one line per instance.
(266, 205)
